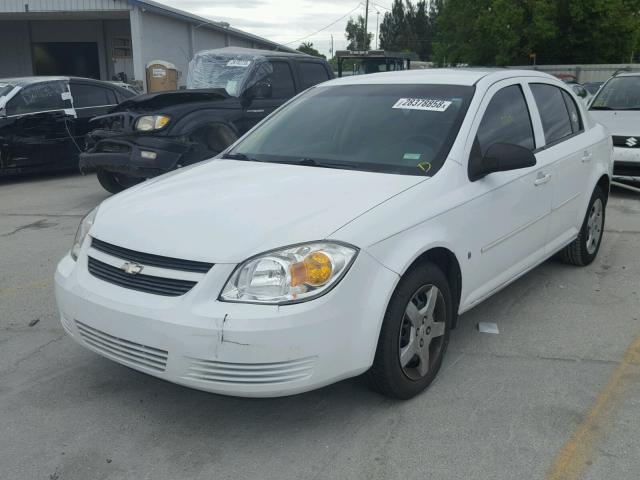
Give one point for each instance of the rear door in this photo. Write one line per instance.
(569, 153)
(39, 125)
(311, 73)
(283, 87)
(90, 100)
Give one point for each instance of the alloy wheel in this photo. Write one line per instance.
(422, 332)
(594, 226)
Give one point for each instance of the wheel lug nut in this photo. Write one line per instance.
(422, 342)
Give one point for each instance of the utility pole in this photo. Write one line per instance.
(331, 45)
(366, 20)
(377, 31)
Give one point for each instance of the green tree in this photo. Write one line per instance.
(356, 36)
(409, 27)
(307, 47)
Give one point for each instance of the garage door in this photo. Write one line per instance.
(74, 59)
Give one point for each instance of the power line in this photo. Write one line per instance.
(327, 26)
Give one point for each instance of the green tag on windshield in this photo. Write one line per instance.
(411, 156)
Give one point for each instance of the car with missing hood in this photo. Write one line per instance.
(44, 120)
(343, 235)
(229, 90)
(617, 107)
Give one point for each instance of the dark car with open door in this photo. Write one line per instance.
(44, 120)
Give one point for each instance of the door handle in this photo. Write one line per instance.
(542, 178)
(586, 156)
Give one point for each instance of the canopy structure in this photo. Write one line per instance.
(373, 61)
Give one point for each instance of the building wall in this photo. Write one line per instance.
(206, 39)
(165, 38)
(16, 60)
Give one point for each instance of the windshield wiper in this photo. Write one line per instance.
(313, 162)
(600, 108)
(240, 156)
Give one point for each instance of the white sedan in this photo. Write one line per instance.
(343, 235)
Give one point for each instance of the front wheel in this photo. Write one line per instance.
(584, 249)
(414, 334)
(115, 182)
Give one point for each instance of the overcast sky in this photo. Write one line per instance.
(287, 21)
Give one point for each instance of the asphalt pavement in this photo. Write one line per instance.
(554, 395)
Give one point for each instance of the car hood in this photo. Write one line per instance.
(618, 122)
(224, 211)
(165, 100)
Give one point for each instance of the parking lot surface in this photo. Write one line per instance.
(556, 394)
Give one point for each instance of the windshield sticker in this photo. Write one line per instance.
(424, 166)
(238, 63)
(426, 104)
(411, 156)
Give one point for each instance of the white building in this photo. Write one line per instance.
(103, 38)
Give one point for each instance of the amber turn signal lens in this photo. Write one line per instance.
(315, 270)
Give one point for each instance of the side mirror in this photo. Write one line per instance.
(580, 91)
(261, 89)
(500, 157)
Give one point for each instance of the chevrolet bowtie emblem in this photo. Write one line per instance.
(631, 142)
(131, 268)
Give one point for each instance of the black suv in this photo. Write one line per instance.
(229, 90)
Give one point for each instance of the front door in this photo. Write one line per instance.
(509, 212)
(282, 89)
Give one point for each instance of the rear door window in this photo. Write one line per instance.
(282, 85)
(39, 97)
(87, 96)
(506, 120)
(556, 121)
(312, 73)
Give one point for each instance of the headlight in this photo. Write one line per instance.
(289, 275)
(81, 234)
(149, 123)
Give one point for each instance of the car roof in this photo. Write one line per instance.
(628, 74)
(264, 53)
(443, 76)
(22, 81)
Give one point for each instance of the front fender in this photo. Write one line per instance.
(200, 118)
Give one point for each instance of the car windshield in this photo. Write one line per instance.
(233, 72)
(619, 93)
(404, 129)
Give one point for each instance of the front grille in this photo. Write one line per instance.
(169, 287)
(125, 351)
(250, 373)
(626, 142)
(150, 259)
(111, 147)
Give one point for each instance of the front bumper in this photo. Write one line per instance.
(123, 155)
(626, 162)
(228, 348)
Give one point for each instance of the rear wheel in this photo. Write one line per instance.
(116, 182)
(414, 334)
(584, 249)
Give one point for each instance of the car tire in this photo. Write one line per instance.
(411, 334)
(584, 249)
(115, 182)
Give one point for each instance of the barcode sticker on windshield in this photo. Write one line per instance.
(238, 63)
(423, 104)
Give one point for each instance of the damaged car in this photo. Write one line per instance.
(44, 120)
(229, 90)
